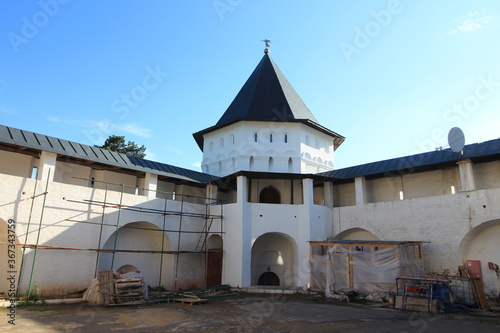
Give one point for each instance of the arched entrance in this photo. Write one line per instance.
(270, 195)
(214, 260)
(268, 279)
(143, 237)
(10, 258)
(481, 243)
(274, 257)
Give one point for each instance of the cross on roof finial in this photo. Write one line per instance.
(267, 41)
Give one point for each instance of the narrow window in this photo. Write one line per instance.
(222, 143)
(232, 139)
(401, 195)
(34, 172)
(452, 189)
(255, 137)
(270, 138)
(286, 138)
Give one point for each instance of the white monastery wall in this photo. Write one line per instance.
(15, 164)
(69, 221)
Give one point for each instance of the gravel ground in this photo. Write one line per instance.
(245, 313)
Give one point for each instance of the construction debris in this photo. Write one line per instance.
(110, 291)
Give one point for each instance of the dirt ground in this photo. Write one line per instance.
(245, 313)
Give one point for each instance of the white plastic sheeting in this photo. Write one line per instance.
(370, 271)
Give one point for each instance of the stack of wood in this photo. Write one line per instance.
(106, 290)
(478, 288)
(129, 291)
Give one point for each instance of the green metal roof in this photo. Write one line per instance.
(22, 138)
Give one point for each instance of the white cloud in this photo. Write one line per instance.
(128, 128)
(472, 22)
(106, 126)
(7, 111)
(175, 150)
(197, 164)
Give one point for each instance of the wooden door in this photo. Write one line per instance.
(214, 267)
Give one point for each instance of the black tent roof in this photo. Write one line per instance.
(267, 96)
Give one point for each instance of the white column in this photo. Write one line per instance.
(328, 188)
(47, 166)
(466, 175)
(212, 193)
(238, 238)
(304, 234)
(150, 184)
(360, 188)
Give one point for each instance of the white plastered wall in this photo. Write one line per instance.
(229, 149)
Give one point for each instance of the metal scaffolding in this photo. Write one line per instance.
(206, 218)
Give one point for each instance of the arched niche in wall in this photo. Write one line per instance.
(481, 244)
(356, 234)
(139, 238)
(270, 195)
(274, 260)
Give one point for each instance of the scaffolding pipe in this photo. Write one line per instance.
(162, 242)
(141, 228)
(207, 210)
(144, 189)
(178, 245)
(117, 228)
(100, 233)
(139, 209)
(27, 231)
(53, 247)
(38, 235)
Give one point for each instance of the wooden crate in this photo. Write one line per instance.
(416, 304)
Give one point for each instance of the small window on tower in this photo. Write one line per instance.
(271, 137)
(286, 138)
(255, 137)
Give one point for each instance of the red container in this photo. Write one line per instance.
(474, 268)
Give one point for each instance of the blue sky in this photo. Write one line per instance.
(391, 76)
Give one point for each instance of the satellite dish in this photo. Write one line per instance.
(456, 139)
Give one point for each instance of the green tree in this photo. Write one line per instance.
(117, 143)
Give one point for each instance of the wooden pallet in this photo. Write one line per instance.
(190, 301)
